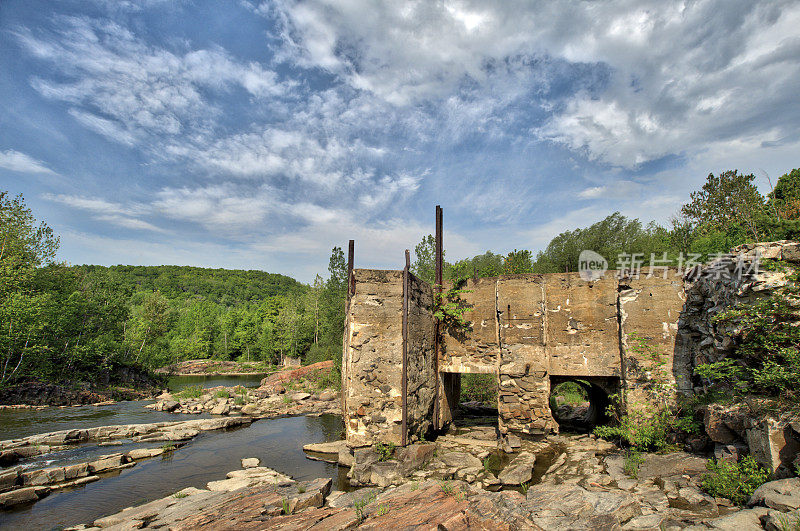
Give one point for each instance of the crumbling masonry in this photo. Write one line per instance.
(530, 331)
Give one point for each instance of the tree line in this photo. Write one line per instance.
(727, 211)
(70, 323)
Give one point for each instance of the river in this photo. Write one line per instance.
(208, 457)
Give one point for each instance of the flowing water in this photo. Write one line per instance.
(176, 383)
(208, 457)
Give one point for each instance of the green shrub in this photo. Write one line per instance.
(385, 451)
(735, 481)
(239, 400)
(223, 393)
(767, 359)
(479, 388)
(192, 391)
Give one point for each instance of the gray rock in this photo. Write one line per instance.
(747, 519)
(783, 495)
(460, 460)
(519, 470)
(17, 497)
(144, 453)
(8, 479)
(250, 462)
(222, 408)
(45, 476)
(169, 405)
(692, 500)
(297, 397)
(328, 395)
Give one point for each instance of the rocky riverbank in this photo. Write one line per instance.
(572, 482)
(217, 368)
(293, 392)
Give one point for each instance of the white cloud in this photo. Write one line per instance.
(680, 75)
(127, 216)
(20, 162)
(127, 90)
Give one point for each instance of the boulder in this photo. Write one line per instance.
(144, 453)
(327, 451)
(45, 476)
(573, 507)
(169, 405)
(105, 463)
(250, 462)
(222, 408)
(782, 494)
(297, 397)
(519, 470)
(415, 456)
(773, 444)
(17, 497)
(250, 409)
(8, 479)
(460, 460)
(692, 500)
(747, 519)
(76, 471)
(328, 395)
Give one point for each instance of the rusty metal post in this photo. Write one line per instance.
(437, 326)
(351, 282)
(345, 342)
(404, 377)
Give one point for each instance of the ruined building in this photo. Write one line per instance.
(530, 331)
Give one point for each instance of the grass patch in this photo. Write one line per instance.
(239, 400)
(633, 459)
(180, 495)
(192, 391)
(222, 393)
(167, 447)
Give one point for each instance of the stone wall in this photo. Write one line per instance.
(650, 307)
(421, 381)
(373, 354)
(372, 358)
(532, 328)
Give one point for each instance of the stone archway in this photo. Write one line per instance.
(580, 404)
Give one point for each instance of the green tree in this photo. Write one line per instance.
(785, 197)
(24, 246)
(517, 262)
(726, 201)
(424, 265)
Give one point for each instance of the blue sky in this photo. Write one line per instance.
(258, 135)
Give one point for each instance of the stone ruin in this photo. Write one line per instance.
(531, 332)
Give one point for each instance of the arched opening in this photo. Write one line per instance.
(579, 404)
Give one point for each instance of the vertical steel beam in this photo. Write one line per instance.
(346, 340)
(437, 332)
(351, 282)
(404, 377)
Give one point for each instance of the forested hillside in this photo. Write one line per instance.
(71, 323)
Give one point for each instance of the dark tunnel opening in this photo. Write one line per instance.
(578, 405)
